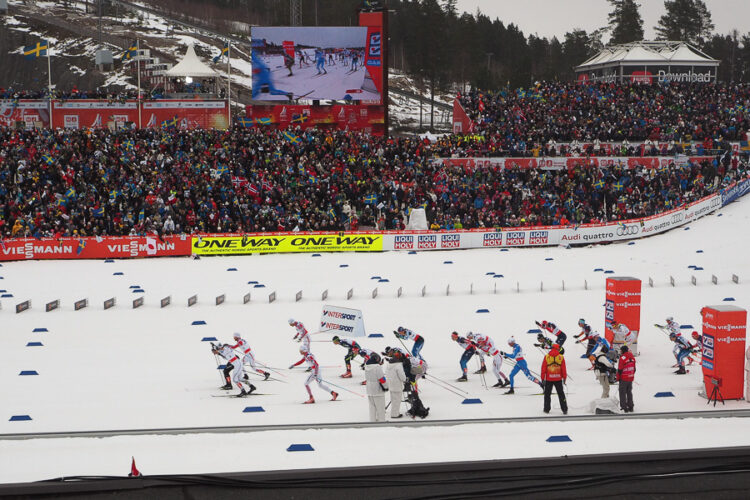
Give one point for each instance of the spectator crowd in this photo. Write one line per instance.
(100, 182)
(534, 121)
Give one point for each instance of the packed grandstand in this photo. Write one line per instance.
(98, 182)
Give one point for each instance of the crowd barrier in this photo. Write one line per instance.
(239, 244)
(100, 113)
(563, 162)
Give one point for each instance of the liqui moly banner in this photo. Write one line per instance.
(342, 321)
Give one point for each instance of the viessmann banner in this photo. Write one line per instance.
(293, 243)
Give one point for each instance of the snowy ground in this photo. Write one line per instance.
(338, 81)
(148, 368)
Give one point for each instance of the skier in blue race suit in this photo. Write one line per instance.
(262, 79)
(518, 357)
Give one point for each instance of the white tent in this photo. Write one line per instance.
(192, 66)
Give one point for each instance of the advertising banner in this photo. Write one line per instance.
(29, 112)
(735, 191)
(462, 124)
(314, 63)
(94, 248)
(723, 356)
(342, 321)
(184, 114)
(563, 162)
(90, 113)
(287, 243)
(622, 304)
(375, 49)
(370, 119)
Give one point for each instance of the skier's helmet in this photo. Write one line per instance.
(336, 339)
(511, 341)
(291, 321)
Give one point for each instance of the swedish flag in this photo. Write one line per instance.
(332, 213)
(70, 193)
(244, 122)
(48, 159)
(263, 121)
(113, 195)
(170, 123)
(141, 216)
(370, 199)
(81, 246)
(224, 51)
(128, 144)
(222, 169)
(38, 50)
(98, 212)
(599, 184)
(292, 138)
(300, 118)
(618, 186)
(130, 52)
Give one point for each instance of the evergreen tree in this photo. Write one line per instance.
(625, 22)
(686, 21)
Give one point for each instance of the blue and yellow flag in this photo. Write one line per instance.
(130, 52)
(222, 169)
(38, 50)
(128, 144)
(81, 246)
(263, 121)
(48, 159)
(292, 138)
(98, 212)
(244, 122)
(370, 199)
(170, 123)
(70, 193)
(224, 51)
(599, 184)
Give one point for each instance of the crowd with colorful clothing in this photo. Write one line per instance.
(665, 119)
(97, 182)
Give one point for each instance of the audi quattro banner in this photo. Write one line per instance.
(553, 235)
(93, 248)
(563, 162)
(287, 243)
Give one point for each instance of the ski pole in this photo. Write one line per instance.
(343, 388)
(434, 381)
(446, 383)
(481, 374)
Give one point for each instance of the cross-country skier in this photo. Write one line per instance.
(486, 345)
(585, 329)
(262, 82)
(482, 366)
(406, 334)
(697, 348)
(546, 343)
(233, 365)
(349, 344)
(301, 336)
(519, 358)
(469, 350)
(320, 61)
(249, 358)
(289, 62)
(314, 375)
(622, 334)
(681, 351)
(554, 330)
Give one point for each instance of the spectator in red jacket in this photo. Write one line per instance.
(625, 375)
(554, 375)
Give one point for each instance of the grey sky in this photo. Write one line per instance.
(549, 18)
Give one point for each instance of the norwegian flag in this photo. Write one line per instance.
(252, 189)
(239, 182)
(267, 186)
(481, 105)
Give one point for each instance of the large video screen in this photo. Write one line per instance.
(326, 63)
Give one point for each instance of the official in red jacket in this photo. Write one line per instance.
(554, 375)
(625, 375)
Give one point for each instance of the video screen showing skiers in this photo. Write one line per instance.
(311, 63)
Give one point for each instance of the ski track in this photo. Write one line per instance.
(148, 368)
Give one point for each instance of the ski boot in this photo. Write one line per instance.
(483, 369)
(681, 371)
(462, 378)
(510, 391)
(252, 388)
(242, 393)
(348, 374)
(309, 401)
(500, 384)
(309, 369)
(335, 395)
(226, 387)
(266, 375)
